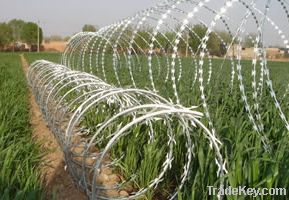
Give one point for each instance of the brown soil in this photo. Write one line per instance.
(55, 46)
(56, 180)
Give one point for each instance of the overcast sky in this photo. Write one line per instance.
(66, 17)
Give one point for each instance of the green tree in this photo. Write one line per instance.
(5, 35)
(16, 25)
(249, 40)
(143, 38)
(226, 37)
(30, 33)
(214, 45)
(89, 28)
(169, 39)
(198, 33)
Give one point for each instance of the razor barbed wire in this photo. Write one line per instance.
(159, 18)
(155, 45)
(67, 97)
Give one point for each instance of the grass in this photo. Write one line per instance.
(53, 57)
(19, 155)
(248, 163)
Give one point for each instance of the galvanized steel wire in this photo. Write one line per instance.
(65, 98)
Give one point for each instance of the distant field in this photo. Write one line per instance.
(19, 155)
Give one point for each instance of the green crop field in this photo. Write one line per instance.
(180, 100)
(249, 163)
(19, 155)
(53, 57)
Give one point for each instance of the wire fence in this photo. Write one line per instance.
(122, 137)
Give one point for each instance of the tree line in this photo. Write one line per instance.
(163, 41)
(17, 30)
(190, 40)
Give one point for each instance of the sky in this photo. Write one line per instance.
(67, 17)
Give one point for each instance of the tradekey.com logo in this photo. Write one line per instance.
(244, 191)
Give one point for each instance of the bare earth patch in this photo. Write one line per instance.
(55, 179)
(55, 46)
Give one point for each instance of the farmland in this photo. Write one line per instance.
(19, 154)
(249, 163)
(54, 57)
(183, 100)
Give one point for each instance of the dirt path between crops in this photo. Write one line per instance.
(56, 181)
